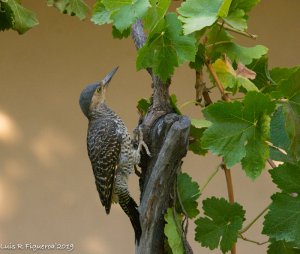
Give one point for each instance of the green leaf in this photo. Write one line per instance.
(237, 20)
(215, 38)
(143, 106)
(215, 35)
(279, 137)
(198, 14)
(6, 17)
(221, 225)
(239, 53)
(76, 8)
(245, 5)
(282, 247)
(239, 131)
(287, 177)
(237, 17)
(281, 74)
(24, 19)
(100, 15)
(283, 219)
(232, 78)
(125, 12)
(173, 232)
(290, 89)
(196, 132)
(167, 49)
(223, 11)
(156, 13)
(120, 35)
(263, 78)
(195, 145)
(199, 59)
(188, 192)
(173, 102)
(200, 123)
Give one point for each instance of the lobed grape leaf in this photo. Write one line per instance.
(173, 231)
(290, 89)
(224, 9)
(282, 247)
(287, 177)
(239, 131)
(237, 16)
(195, 145)
(280, 74)
(245, 5)
(200, 123)
(124, 13)
(221, 225)
(198, 14)
(120, 35)
(232, 78)
(100, 15)
(199, 58)
(76, 8)
(237, 20)
(188, 192)
(239, 53)
(6, 17)
(167, 49)
(143, 106)
(173, 103)
(24, 19)
(156, 13)
(196, 132)
(283, 219)
(215, 35)
(279, 137)
(263, 78)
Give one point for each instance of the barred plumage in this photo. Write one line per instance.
(110, 151)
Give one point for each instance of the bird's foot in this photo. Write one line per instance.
(142, 144)
(138, 135)
(137, 172)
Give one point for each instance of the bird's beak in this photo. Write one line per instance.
(108, 77)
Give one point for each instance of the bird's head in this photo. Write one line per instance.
(94, 94)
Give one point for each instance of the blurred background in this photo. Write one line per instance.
(47, 191)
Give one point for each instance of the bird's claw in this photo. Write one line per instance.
(138, 137)
(141, 142)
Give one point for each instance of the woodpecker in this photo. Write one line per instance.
(110, 150)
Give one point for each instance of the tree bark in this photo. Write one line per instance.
(166, 135)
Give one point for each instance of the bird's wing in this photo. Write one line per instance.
(104, 146)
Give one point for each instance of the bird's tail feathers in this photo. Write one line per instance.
(130, 208)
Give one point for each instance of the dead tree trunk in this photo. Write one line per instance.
(166, 135)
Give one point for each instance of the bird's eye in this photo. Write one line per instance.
(99, 89)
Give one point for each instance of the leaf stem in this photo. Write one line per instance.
(210, 178)
(227, 171)
(229, 183)
(230, 193)
(271, 162)
(254, 220)
(252, 241)
(187, 103)
(231, 29)
(225, 96)
(276, 147)
(217, 43)
(185, 222)
(201, 89)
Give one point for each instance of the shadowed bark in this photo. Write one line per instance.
(166, 135)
